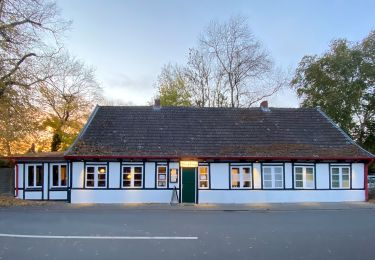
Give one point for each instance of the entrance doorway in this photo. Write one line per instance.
(188, 185)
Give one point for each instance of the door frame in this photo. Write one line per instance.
(195, 181)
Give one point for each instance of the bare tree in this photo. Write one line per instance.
(228, 68)
(68, 97)
(239, 58)
(198, 74)
(29, 30)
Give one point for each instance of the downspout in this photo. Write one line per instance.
(16, 195)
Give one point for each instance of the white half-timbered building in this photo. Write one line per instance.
(135, 154)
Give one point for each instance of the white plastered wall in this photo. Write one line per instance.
(114, 176)
(121, 196)
(358, 176)
(322, 175)
(149, 175)
(219, 175)
(77, 174)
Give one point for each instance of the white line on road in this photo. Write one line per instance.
(99, 237)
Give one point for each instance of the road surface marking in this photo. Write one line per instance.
(100, 237)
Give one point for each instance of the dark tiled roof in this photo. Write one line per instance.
(213, 132)
(40, 155)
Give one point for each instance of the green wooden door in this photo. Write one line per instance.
(188, 185)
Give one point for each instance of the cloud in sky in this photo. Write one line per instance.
(132, 90)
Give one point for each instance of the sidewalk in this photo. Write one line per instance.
(229, 207)
(53, 205)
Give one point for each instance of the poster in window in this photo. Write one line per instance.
(203, 177)
(173, 175)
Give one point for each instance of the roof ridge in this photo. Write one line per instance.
(213, 108)
(347, 137)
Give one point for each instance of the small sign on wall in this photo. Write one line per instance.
(173, 175)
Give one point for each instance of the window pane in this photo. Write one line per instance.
(203, 184)
(90, 176)
(267, 170)
(138, 177)
(246, 184)
(235, 171)
(203, 170)
(335, 170)
(246, 175)
(235, 184)
(278, 184)
(139, 170)
(298, 170)
(126, 170)
(267, 184)
(30, 175)
(310, 177)
(278, 177)
(137, 183)
(101, 176)
(63, 175)
(90, 169)
(335, 184)
(174, 175)
(203, 176)
(267, 176)
(299, 184)
(345, 177)
(101, 183)
(345, 183)
(55, 175)
(162, 184)
(299, 176)
(126, 179)
(102, 170)
(39, 175)
(345, 170)
(235, 177)
(278, 170)
(162, 169)
(89, 183)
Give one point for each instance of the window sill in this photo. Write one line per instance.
(34, 189)
(58, 188)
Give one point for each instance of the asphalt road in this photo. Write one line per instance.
(261, 234)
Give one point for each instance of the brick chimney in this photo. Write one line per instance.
(157, 103)
(264, 106)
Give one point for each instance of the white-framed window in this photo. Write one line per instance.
(132, 176)
(59, 175)
(161, 176)
(96, 176)
(34, 176)
(273, 177)
(203, 177)
(304, 177)
(241, 177)
(340, 177)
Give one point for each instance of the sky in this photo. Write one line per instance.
(128, 42)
